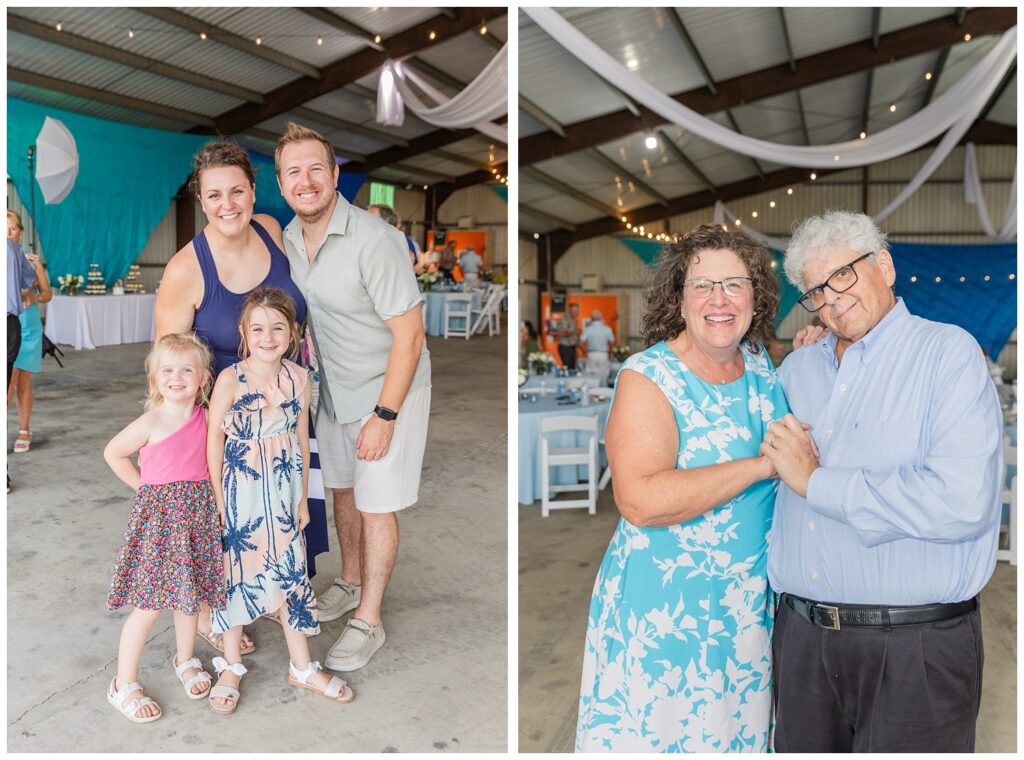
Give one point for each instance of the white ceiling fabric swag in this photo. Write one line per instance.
(974, 196)
(966, 98)
(483, 100)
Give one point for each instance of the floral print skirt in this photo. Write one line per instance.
(171, 554)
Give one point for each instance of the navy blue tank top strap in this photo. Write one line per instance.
(206, 265)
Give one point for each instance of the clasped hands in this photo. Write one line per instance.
(792, 452)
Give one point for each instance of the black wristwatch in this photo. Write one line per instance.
(388, 415)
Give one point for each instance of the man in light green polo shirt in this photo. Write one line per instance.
(365, 317)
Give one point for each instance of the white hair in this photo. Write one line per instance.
(817, 237)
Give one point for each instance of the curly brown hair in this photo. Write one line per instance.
(215, 155)
(664, 293)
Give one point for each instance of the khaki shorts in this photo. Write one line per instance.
(387, 484)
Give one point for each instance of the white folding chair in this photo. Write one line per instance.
(606, 476)
(457, 306)
(1010, 499)
(488, 312)
(574, 456)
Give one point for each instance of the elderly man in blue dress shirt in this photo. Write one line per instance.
(885, 533)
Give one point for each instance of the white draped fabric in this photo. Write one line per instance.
(483, 99)
(974, 196)
(962, 102)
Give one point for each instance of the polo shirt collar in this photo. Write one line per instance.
(337, 225)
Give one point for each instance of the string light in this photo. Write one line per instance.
(623, 218)
(432, 36)
(754, 214)
(789, 191)
(651, 142)
(536, 236)
(987, 278)
(913, 279)
(938, 279)
(131, 33)
(1013, 276)
(259, 40)
(863, 135)
(967, 38)
(376, 39)
(962, 279)
(483, 28)
(928, 76)
(738, 223)
(771, 204)
(319, 40)
(202, 35)
(425, 187)
(814, 176)
(892, 108)
(60, 26)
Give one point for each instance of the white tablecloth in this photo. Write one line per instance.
(89, 321)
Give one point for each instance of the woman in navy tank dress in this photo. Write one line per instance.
(223, 181)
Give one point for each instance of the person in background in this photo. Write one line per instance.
(882, 543)
(446, 264)
(597, 338)
(528, 341)
(470, 263)
(389, 215)
(567, 333)
(30, 354)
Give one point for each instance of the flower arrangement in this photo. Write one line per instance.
(70, 283)
(428, 279)
(540, 362)
(621, 352)
(523, 376)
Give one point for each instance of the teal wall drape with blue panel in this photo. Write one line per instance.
(649, 250)
(126, 179)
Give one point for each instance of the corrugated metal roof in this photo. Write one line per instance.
(92, 108)
(386, 22)
(733, 41)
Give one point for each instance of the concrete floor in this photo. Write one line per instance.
(558, 560)
(439, 683)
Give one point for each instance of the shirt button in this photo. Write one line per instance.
(810, 526)
(814, 575)
(843, 387)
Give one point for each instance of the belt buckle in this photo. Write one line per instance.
(834, 612)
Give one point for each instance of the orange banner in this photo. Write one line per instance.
(608, 305)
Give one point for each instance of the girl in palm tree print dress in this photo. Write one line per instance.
(257, 458)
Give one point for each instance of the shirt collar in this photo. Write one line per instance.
(876, 336)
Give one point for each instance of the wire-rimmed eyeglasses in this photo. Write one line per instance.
(702, 287)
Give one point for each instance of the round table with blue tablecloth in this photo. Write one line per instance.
(530, 415)
(435, 309)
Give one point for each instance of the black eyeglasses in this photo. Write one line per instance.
(839, 281)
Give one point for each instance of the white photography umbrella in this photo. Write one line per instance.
(56, 161)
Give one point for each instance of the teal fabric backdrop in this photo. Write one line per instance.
(648, 251)
(126, 180)
(501, 190)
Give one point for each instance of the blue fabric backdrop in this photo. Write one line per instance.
(986, 309)
(648, 251)
(126, 179)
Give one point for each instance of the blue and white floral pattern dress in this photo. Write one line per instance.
(264, 560)
(678, 655)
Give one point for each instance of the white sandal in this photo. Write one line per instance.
(226, 692)
(337, 690)
(23, 442)
(201, 677)
(117, 698)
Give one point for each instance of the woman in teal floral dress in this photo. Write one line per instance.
(677, 655)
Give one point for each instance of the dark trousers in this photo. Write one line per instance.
(568, 356)
(13, 344)
(911, 688)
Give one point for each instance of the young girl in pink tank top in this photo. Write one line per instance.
(171, 555)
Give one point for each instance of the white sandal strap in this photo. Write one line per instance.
(225, 692)
(121, 694)
(334, 687)
(220, 665)
(303, 675)
(198, 678)
(179, 670)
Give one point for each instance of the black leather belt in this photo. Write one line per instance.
(834, 617)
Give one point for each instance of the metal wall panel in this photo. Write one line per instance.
(489, 212)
